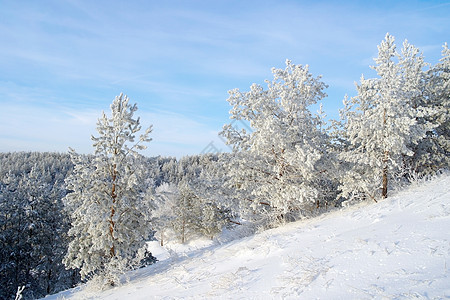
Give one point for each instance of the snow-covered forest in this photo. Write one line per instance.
(67, 219)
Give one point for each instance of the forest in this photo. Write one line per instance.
(70, 218)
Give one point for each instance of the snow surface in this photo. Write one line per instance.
(398, 248)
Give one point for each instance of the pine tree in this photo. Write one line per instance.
(165, 200)
(211, 220)
(109, 219)
(182, 212)
(279, 165)
(382, 121)
(433, 152)
(185, 220)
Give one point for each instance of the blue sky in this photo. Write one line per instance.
(63, 62)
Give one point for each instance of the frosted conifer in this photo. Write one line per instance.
(382, 121)
(109, 220)
(433, 152)
(279, 165)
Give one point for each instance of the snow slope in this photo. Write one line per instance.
(398, 248)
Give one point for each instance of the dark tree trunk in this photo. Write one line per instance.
(385, 162)
(385, 175)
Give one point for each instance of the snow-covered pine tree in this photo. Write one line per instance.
(165, 199)
(174, 216)
(279, 165)
(211, 220)
(382, 121)
(217, 185)
(433, 152)
(182, 212)
(109, 219)
(185, 218)
(208, 214)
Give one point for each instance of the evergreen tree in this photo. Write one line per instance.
(279, 165)
(382, 121)
(181, 213)
(109, 219)
(185, 219)
(165, 200)
(433, 152)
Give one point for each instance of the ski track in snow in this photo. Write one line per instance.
(398, 248)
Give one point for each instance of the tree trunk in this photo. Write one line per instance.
(182, 231)
(385, 162)
(49, 278)
(112, 251)
(385, 175)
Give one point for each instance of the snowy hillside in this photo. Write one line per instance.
(397, 248)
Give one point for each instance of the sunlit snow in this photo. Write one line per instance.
(397, 248)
